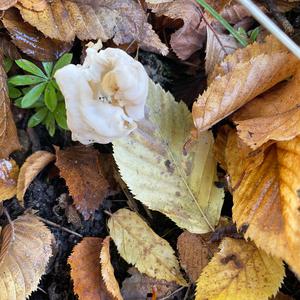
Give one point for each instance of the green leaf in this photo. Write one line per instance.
(33, 95)
(63, 61)
(13, 92)
(18, 102)
(254, 34)
(50, 123)
(48, 66)
(30, 67)
(19, 80)
(38, 117)
(50, 97)
(160, 175)
(7, 64)
(60, 116)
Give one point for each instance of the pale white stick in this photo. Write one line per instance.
(271, 26)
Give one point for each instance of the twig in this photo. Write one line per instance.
(175, 292)
(187, 293)
(59, 226)
(10, 222)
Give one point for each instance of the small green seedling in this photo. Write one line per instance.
(38, 90)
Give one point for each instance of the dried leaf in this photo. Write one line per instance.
(242, 76)
(107, 271)
(240, 271)
(142, 247)
(265, 196)
(80, 167)
(8, 48)
(30, 40)
(37, 5)
(86, 270)
(5, 4)
(33, 165)
(123, 21)
(139, 285)
(195, 251)
(9, 140)
(160, 175)
(281, 296)
(24, 254)
(9, 172)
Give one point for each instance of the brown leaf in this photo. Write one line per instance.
(107, 271)
(80, 167)
(9, 140)
(33, 165)
(242, 76)
(9, 172)
(25, 249)
(86, 271)
(195, 251)
(8, 48)
(30, 40)
(139, 285)
(281, 296)
(123, 21)
(5, 4)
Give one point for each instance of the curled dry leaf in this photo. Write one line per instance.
(86, 271)
(195, 251)
(241, 77)
(80, 167)
(123, 21)
(33, 165)
(138, 285)
(153, 165)
(139, 245)
(30, 40)
(9, 140)
(240, 271)
(107, 271)
(9, 172)
(265, 196)
(25, 249)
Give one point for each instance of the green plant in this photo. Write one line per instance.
(38, 90)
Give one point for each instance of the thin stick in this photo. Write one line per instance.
(271, 26)
(175, 292)
(10, 222)
(59, 226)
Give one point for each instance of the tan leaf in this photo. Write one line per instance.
(265, 197)
(37, 5)
(195, 251)
(107, 271)
(241, 80)
(5, 4)
(139, 245)
(139, 285)
(33, 165)
(275, 115)
(240, 271)
(123, 21)
(33, 42)
(80, 167)
(86, 270)
(24, 254)
(9, 140)
(9, 172)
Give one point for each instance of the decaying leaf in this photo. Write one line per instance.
(8, 48)
(195, 251)
(242, 76)
(138, 286)
(123, 21)
(142, 247)
(33, 165)
(9, 141)
(86, 271)
(30, 40)
(9, 172)
(160, 175)
(25, 249)
(240, 271)
(107, 271)
(80, 167)
(265, 196)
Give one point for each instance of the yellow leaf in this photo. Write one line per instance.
(107, 271)
(240, 271)
(25, 249)
(152, 163)
(9, 172)
(139, 245)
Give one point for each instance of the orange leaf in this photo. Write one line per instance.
(33, 165)
(80, 167)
